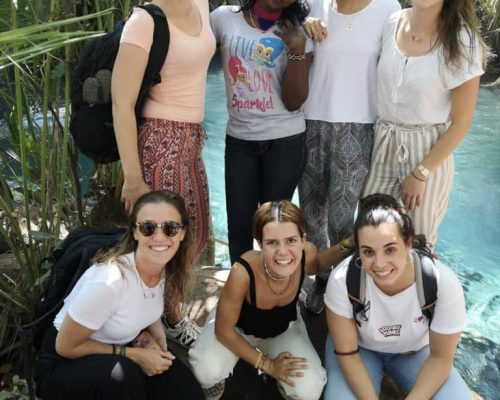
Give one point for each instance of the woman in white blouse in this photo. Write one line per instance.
(428, 81)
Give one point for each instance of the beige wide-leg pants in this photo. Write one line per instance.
(397, 150)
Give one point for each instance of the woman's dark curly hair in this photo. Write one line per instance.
(299, 10)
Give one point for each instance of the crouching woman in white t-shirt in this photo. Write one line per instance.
(88, 353)
(392, 334)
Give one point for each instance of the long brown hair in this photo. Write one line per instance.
(281, 211)
(178, 269)
(455, 16)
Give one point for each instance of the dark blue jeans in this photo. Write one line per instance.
(403, 368)
(257, 172)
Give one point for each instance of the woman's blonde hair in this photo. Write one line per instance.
(178, 269)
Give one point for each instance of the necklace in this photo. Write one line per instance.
(147, 292)
(348, 22)
(290, 280)
(253, 22)
(274, 278)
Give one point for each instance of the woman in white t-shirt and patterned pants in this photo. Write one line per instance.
(428, 81)
(340, 112)
(164, 149)
(391, 334)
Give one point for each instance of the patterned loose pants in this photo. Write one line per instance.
(338, 158)
(170, 156)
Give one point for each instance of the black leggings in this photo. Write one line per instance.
(108, 377)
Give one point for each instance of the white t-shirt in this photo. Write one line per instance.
(417, 90)
(395, 324)
(254, 65)
(342, 79)
(114, 302)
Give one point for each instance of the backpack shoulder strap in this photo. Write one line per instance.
(426, 282)
(157, 54)
(356, 286)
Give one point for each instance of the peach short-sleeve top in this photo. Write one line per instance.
(181, 94)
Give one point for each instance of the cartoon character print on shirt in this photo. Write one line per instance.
(250, 67)
(262, 54)
(239, 75)
(390, 330)
(267, 50)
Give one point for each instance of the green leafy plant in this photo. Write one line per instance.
(17, 390)
(489, 15)
(40, 195)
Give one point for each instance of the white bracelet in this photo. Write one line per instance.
(296, 57)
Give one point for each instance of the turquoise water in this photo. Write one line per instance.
(469, 237)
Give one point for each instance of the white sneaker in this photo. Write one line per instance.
(185, 332)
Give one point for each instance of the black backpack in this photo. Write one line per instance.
(68, 263)
(91, 122)
(425, 279)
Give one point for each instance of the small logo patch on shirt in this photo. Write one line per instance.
(391, 330)
(419, 320)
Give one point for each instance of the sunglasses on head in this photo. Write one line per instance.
(169, 228)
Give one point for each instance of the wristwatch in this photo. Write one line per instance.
(424, 171)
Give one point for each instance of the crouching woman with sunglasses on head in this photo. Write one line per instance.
(257, 316)
(391, 333)
(86, 353)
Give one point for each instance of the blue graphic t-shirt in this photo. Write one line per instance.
(254, 65)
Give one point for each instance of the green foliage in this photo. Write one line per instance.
(489, 15)
(39, 187)
(17, 390)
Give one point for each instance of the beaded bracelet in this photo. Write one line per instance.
(296, 57)
(346, 353)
